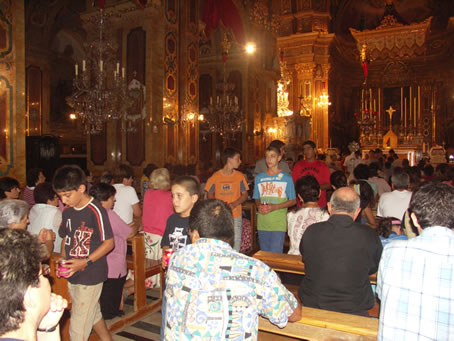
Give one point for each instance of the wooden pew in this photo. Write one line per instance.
(143, 268)
(283, 262)
(317, 324)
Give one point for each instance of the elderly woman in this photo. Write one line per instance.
(14, 215)
(308, 191)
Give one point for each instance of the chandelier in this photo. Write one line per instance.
(100, 92)
(282, 95)
(223, 114)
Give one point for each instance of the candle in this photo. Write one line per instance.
(101, 63)
(410, 105)
(379, 108)
(77, 69)
(118, 67)
(375, 107)
(370, 101)
(419, 103)
(122, 72)
(401, 106)
(414, 108)
(405, 113)
(236, 100)
(211, 100)
(83, 65)
(115, 75)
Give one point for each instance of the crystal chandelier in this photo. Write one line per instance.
(100, 92)
(224, 115)
(282, 95)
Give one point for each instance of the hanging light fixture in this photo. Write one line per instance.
(100, 91)
(224, 115)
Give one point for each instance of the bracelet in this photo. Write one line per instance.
(48, 329)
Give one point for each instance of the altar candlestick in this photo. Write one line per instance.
(379, 108)
(122, 72)
(370, 101)
(405, 114)
(118, 68)
(83, 65)
(419, 103)
(401, 106)
(77, 69)
(414, 108)
(101, 63)
(410, 102)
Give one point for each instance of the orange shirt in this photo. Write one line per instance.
(227, 188)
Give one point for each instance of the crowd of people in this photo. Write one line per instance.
(346, 218)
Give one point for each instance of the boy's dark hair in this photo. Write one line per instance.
(338, 179)
(228, 153)
(106, 178)
(149, 169)
(44, 192)
(102, 191)
(428, 170)
(20, 261)
(361, 172)
(190, 183)
(6, 185)
(433, 205)
(308, 188)
(310, 143)
(123, 172)
(212, 218)
(373, 169)
(278, 144)
(33, 176)
(68, 178)
(274, 149)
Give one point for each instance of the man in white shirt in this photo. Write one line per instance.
(395, 203)
(126, 199)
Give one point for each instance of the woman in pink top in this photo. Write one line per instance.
(157, 207)
(110, 299)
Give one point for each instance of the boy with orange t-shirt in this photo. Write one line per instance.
(230, 186)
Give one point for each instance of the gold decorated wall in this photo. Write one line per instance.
(12, 90)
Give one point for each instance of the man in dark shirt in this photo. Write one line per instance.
(339, 255)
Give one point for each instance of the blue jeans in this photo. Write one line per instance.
(272, 241)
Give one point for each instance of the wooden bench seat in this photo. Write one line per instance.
(317, 324)
(282, 262)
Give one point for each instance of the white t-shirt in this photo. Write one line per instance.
(126, 197)
(45, 216)
(394, 204)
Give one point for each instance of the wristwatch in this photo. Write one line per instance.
(89, 261)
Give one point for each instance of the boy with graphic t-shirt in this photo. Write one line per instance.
(274, 192)
(230, 186)
(185, 193)
(86, 240)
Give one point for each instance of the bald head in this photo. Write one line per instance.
(344, 201)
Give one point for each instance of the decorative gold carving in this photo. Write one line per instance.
(392, 39)
(304, 69)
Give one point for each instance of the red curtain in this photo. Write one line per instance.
(225, 10)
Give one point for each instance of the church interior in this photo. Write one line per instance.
(101, 83)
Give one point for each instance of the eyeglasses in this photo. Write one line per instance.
(45, 270)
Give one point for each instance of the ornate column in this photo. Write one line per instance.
(12, 90)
